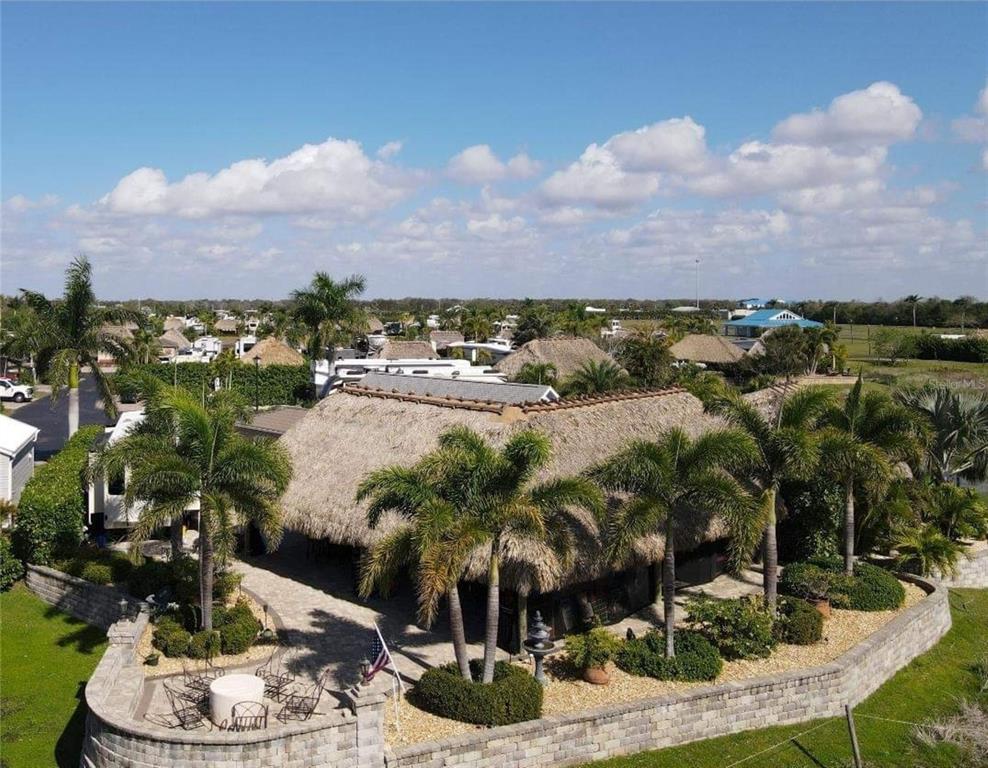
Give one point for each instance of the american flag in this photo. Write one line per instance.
(379, 652)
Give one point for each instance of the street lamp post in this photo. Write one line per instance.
(257, 383)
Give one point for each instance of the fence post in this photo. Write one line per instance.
(854, 736)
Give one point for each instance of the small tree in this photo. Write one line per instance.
(646, 357)
(596, 378)
(892, 344)
(537, 373)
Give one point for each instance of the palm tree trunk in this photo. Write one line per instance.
(73, 399)
(205, 572)
(669, 588)
(457, 632)
(493, 613)
(176, 537)
(770, 555)
(849, 527)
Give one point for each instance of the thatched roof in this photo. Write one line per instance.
(173, 340)
(226, 325)
(705, 348)
(356, 430)
(406, 350)
(442, 339)
(121, 332)
(174, 324)
(374, 325)
(273, 351)
(273, 422)
(568, 355)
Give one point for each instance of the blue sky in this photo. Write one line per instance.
(879, 194)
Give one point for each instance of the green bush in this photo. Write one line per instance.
(204, 644)
(741, 629)
(185, 579)
(225, 584)
(696, 657)
(52, 507)
(170, 638)
(11, 569)
(97, 573)
(799, 623)
(805, 581)
(149, 578)
(513, 697)
(593, 649)
(272, 384)
(970, 349)
(239, 628)
(870, 588)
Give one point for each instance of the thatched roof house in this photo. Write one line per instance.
(374, 324)
(707, 349)
(406, 350)
(272, 351)
(441, 340)
(172, 341)
(568, 355)
(358, 430)
(226, 325)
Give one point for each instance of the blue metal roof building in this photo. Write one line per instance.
(758, 322)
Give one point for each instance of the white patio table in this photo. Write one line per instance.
(228, 690)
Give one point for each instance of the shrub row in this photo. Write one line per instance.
(11, 568)
(970, 349)
(272, 384)
(48, 524)
(870, 588)
(234, 631)
(513, 697)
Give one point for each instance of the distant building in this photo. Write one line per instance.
(758, 303)
(758, 322)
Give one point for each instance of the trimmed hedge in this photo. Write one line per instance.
(171, 638)
(870, 588)
(11, 568)
(741, 629)
(970, 349)
(204, 644)
(513, 697)
(238, 628)
(97, 573)
(272, 384)
(799, 623)
(49, 519)
(696, 657)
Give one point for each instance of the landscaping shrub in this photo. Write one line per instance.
(741, 629)
(870, 588)
(593, 649)
(970, 349)
(97, 573)
(274, 385)
(805, 581)
(799, 623)
(225, 584)
(185, 579)
(513, 697)
(239, 628)
(204, 644)
(696, 657)
(49, 518)
(149, 578)
(171, 638)
(11, 568)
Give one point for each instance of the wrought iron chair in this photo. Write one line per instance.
(189, 716)
(302, 705)
(248, 716)
(276, 678)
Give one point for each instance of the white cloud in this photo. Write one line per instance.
(597, 179)
(479, 165)
(389, 150)
(334, 177)
(974, 128)
(21, 204)
(676, 145)
(878, 115)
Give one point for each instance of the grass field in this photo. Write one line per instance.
(45, 659)
(929, 687)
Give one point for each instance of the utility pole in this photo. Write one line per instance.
(697, 283)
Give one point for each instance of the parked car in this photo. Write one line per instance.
(11, 390)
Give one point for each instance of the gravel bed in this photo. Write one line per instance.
(567, 693)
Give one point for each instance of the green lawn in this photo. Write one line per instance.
(929, 687)
(45, 659)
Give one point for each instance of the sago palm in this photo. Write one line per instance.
(670, 484)
(786, 449)
(328, 310)
(189, 452)
(597, 378)
(76, 335)
(861, 441)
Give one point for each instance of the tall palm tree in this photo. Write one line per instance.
(476, 324)
(957, 447)
(435, 543)
(188, 451)
(76, 328)
(786, 449)
(913, 299)
(328, 310)
(23, 337)
(145, 345)
(596, 378)
(862, 439)
(496, 492)
(669, 484)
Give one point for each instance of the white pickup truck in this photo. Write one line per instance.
(11, 390)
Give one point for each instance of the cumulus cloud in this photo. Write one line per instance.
(479, 165)
(878, 115)
(676, 145)
(598, 179)
(974, 128)
(389, 150)
(334, 177)
(21, 204)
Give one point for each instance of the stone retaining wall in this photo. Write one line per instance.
(704, 713)
(971, 572)
(98, 605)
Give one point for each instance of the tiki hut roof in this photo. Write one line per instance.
(273, 422)
(121, 332)
(705, 348)
(173, 340)
(568, 355)
(173, 324)
(442, 339)
(273, 351)
(226, 325)
(358, 430)
(374, 324)
(406, 350)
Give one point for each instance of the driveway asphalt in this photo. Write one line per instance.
(52, 419)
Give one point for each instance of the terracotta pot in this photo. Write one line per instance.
(822, 604)
(597, 676)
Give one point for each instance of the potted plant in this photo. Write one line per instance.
(590, 653)
(817, 588)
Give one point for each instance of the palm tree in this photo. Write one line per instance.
(475, 324)
(913, 299)
(327, 309)
(668, 485)
(958, 431)
(786, 449)
(537, 373)
(23, 337)
(76, 329)
(645, 355)
(187, 451)
(595, 378)
(494, 490)
(145, 345)
(575, 321)
(862, 440)
(435, 543)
